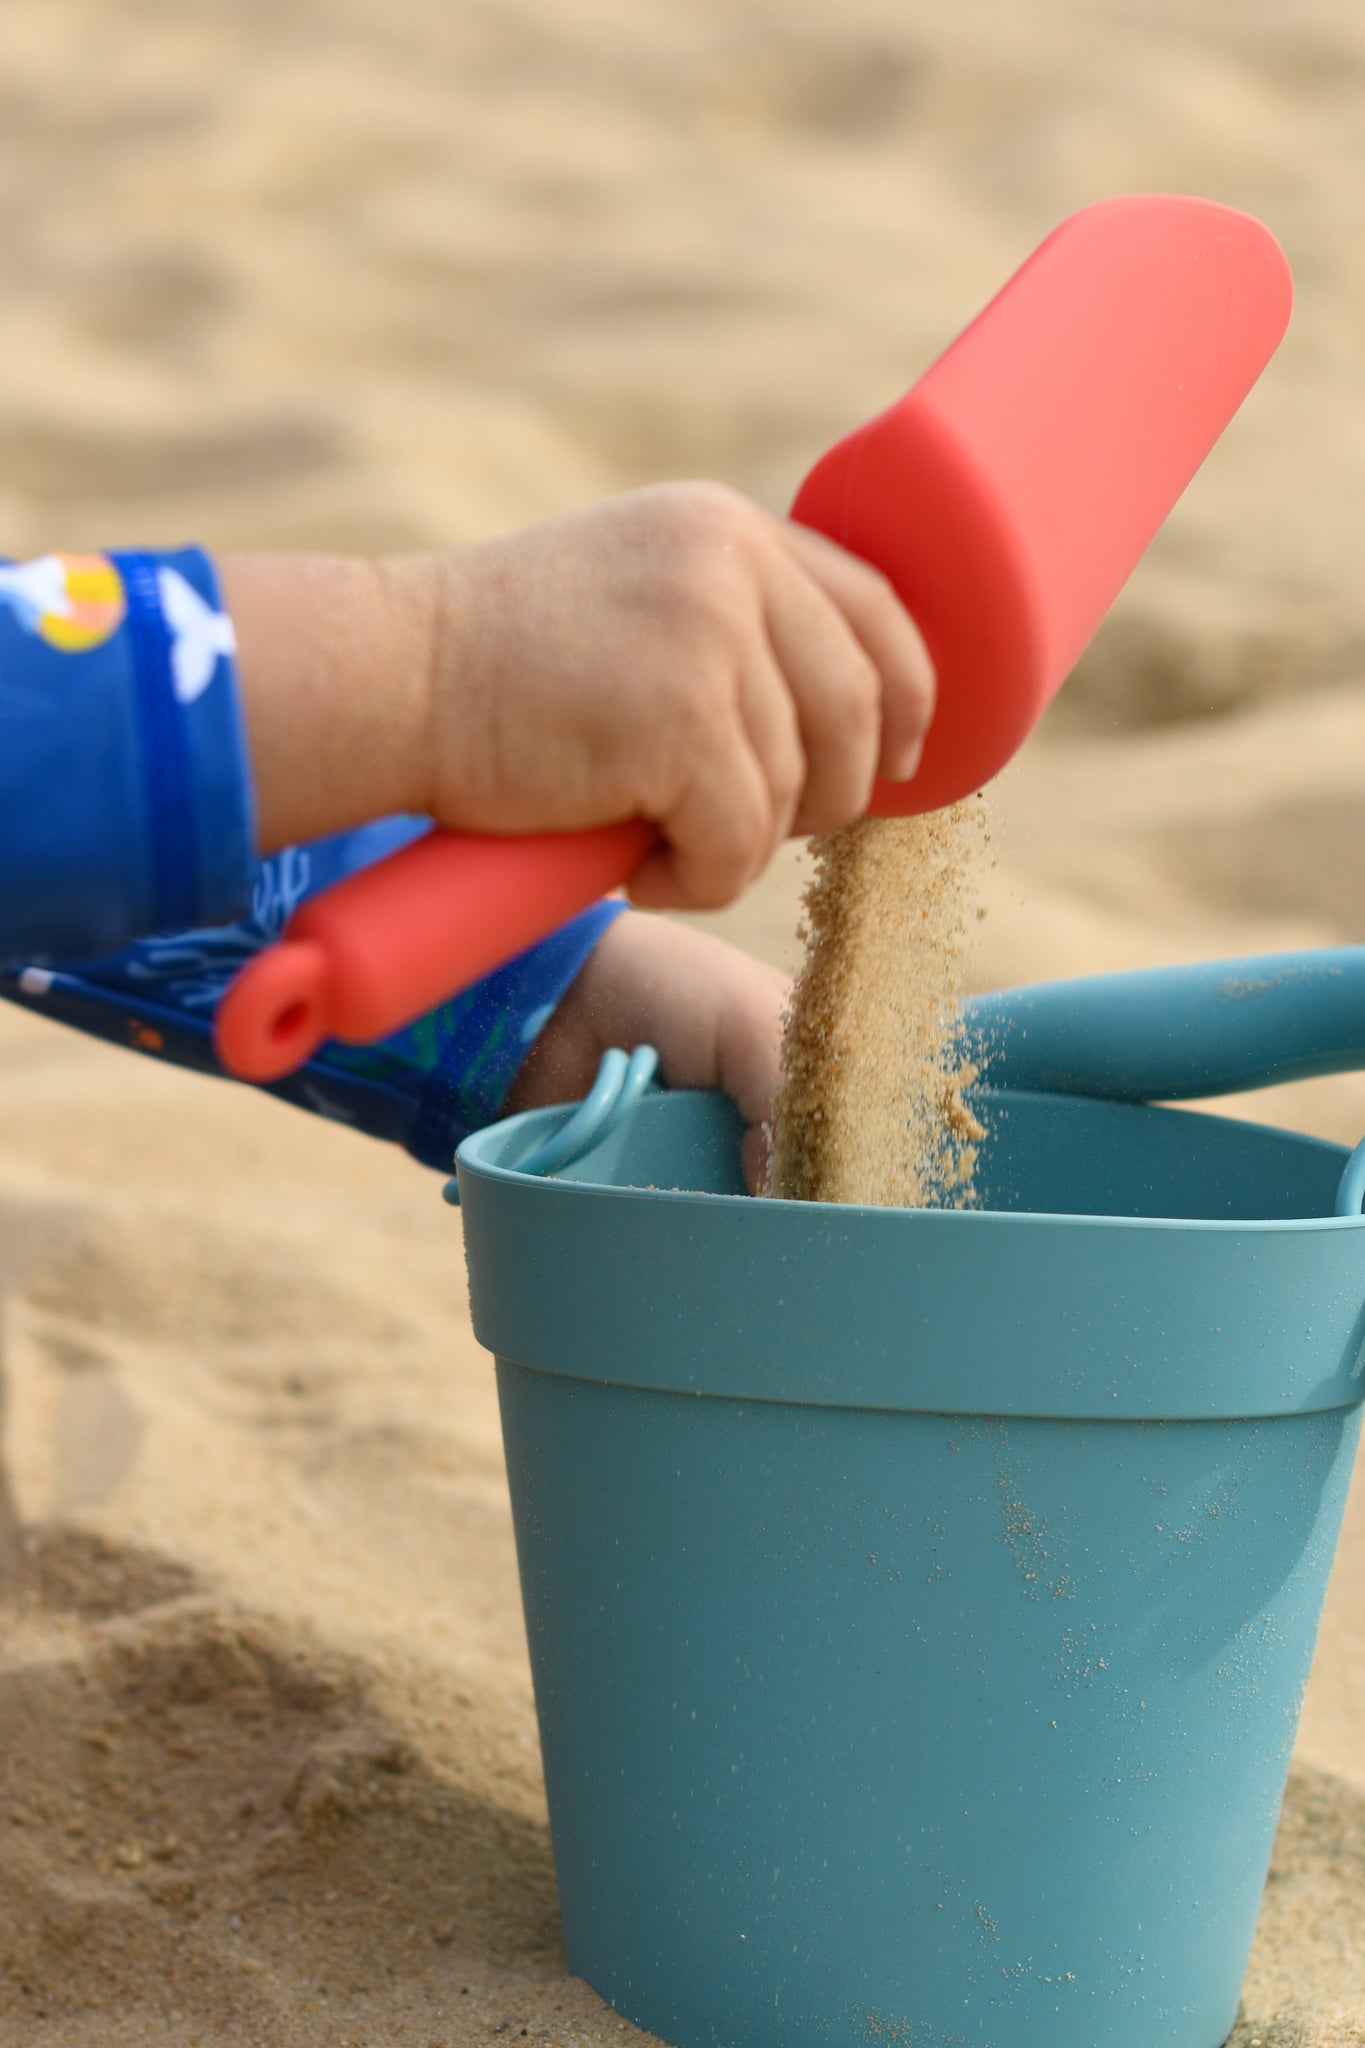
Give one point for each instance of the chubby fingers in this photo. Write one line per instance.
(826, 683)
(720, 832)
(859, 675)
(713, 1013)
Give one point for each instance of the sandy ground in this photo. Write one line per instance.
(358, 275)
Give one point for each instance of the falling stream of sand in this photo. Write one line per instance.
(871, 1106)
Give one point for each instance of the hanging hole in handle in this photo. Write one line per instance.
(276, 1013)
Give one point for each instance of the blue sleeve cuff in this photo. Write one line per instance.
(126, 799)
(199, 790)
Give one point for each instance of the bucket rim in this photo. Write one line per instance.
(538, 1124)
(988, 1312)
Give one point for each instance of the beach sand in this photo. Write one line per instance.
(387, 276)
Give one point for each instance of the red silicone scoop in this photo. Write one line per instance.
(1008, 498)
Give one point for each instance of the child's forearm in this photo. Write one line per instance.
(334, 661)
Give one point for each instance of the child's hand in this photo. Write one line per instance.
(677, 654)
(714, 1015)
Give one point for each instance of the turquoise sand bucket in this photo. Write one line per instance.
(920, 1602)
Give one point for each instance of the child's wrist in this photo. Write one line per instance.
(333, 659)
(410, 591)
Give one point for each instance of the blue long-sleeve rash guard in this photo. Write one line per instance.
(130, 888)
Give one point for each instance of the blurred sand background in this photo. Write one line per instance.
(403, 273)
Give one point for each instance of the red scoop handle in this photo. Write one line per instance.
(370, 954)
(1008, 497)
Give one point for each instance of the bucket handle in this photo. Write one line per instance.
(620, 1083)
(1169, 1034)
(1351, 1187)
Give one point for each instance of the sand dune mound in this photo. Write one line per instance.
(212, 1827)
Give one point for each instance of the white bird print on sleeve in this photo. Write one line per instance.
(200, 635)
(36, 590)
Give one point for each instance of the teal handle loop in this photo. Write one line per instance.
(1351, 1186)
(620, 1083)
